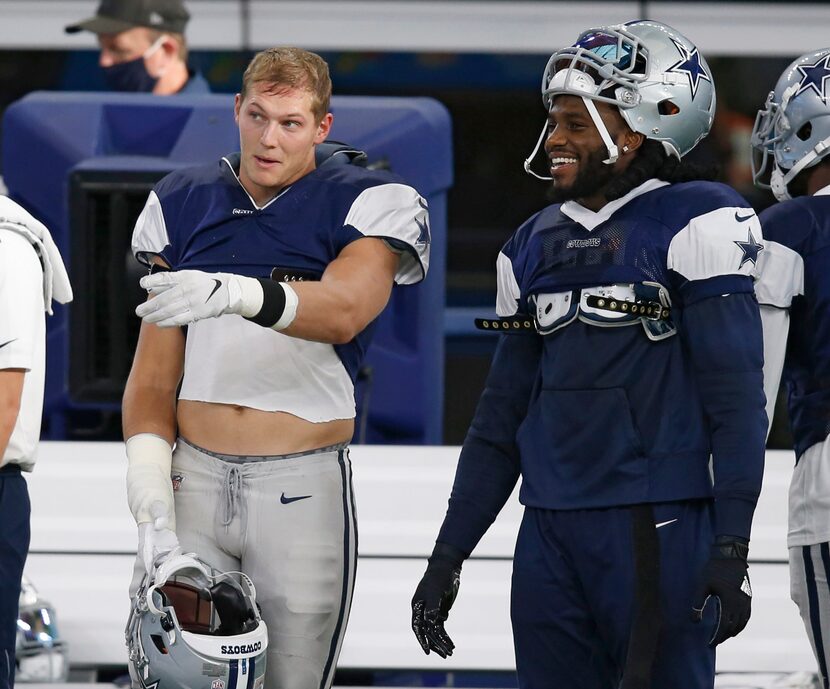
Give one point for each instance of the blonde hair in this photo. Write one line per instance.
(291, 68)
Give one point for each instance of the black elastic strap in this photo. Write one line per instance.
(645, 627)
(273, 304)
(517, 323)
(650, 310)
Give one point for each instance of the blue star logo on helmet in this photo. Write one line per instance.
(815, 77)
(690, 65)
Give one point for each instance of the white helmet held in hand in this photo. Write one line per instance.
(192, 627)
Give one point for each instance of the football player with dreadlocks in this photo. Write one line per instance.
(641, 358)
(791, 141)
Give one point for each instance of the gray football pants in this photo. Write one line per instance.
(810, 589)
(289, 523)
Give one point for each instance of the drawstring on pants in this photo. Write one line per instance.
(230, 494)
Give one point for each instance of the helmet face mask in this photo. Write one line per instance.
(193, 627)
(655, 76)
(792, 130)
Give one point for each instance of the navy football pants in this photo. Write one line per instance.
(573, 598)
(14, 545)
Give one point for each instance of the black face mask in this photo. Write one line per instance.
(130, 76)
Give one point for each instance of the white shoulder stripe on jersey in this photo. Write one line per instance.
(150, 233)
(725, 241)
(396, 211)
(781, 275)
(507, 296)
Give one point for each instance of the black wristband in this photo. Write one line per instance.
(273, 304)
(727, 547)
(448, 553)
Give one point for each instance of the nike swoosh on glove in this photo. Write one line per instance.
(155, 540)
(186, 296)
(434, 597)
(725, 577)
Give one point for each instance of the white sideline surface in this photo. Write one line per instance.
(84, 540)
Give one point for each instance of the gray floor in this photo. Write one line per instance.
(731, 681)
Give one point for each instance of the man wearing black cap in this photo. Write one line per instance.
(143, 48)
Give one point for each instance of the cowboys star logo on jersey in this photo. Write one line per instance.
(815, 77)
(690, 65)
(750, 249)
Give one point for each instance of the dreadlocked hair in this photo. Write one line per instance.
(652, 161)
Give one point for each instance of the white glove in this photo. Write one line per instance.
(155, 540)
(186, 296)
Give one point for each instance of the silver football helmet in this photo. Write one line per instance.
(655, 76)
(192, 627)
(793, 127)
(40, 652)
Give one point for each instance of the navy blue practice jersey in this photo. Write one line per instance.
(627, 409)
(203, 219)
(795, 276)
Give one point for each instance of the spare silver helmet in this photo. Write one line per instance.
(793, 127)
(655, 76)
(40, 652)
(192, 627)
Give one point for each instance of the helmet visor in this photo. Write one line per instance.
(610, 57)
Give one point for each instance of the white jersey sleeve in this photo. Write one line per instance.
(725, 241)
(508, 291)
(781, 278)
(22, 314)
(399, 214)
(150, 233)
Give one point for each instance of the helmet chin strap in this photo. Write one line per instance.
(613, 151)
(611, 147)
(779, 180)
(533, 155)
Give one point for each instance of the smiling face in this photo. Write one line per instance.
(277, 135)
(575, 150)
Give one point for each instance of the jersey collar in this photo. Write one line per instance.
(590, 220)
(824, 191)
(232, 161)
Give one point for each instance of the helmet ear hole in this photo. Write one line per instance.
(805, 131)
(668, 107)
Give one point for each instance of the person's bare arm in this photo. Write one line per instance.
(351, 293)
(149, 404)
(11, 390)
(354, 289)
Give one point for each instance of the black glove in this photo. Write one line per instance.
(434, 597)
(725, 576)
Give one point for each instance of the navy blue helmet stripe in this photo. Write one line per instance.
(233, 671)
(251, 673)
